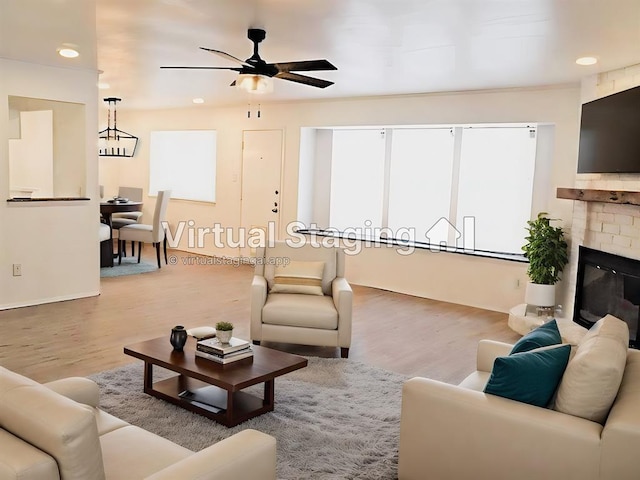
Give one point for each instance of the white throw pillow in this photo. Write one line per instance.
(592, 378)
(298, 277)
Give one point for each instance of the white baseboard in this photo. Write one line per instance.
(41, 301)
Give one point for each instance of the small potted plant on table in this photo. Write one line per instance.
(224, 331)
(546, 250)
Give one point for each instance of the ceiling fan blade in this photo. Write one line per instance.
(294, 77)
(235, 69)
(227, 56)
(305, 66)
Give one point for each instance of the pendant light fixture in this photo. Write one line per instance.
(113, 142)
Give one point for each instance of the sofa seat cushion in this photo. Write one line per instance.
(295, 310)
(592, 378)
(131, 452)
(22, 460)
(476, 381)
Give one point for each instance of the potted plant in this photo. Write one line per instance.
(546, 250)
(224, 331)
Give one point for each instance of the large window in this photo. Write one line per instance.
(420, 180)
(495, 185)
(357, 179)
(185, 163)
(450, 187)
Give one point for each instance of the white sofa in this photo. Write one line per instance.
(458, 432)
(56, 431)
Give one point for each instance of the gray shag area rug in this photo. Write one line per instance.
(334, 419)
(129, 266)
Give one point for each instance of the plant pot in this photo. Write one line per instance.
(540, 295)
(224, 335)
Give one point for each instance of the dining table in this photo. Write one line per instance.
(108, 208)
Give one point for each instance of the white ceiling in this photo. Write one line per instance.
(380, 47)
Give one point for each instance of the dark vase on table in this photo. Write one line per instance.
(178, 337)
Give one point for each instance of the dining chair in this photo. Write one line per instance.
(121, 219)
(106, 245)
(144, 233)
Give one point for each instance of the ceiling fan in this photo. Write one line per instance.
(254, 69)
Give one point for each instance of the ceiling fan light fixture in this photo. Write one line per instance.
(254, 83)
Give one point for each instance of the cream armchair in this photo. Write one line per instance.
(321, 316)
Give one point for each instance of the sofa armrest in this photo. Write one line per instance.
(81, 390)
(248, 455)
(258, 299)
(452, 432)
(343, 300)
(488, 351)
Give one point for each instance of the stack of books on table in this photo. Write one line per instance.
(212, 349)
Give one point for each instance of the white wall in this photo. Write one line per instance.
(31, 155)
(55, 242)
(487, 283)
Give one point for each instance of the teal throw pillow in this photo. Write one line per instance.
(543, 336)
(530, 377)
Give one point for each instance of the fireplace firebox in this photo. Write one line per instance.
(607, 284)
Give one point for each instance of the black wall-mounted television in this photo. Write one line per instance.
(610, 134)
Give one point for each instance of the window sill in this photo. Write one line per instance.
(512, 257)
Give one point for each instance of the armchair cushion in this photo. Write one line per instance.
(543, 336)
(298, 277)
(529, 377)
(296, 310)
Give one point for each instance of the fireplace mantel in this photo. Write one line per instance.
(605, 196)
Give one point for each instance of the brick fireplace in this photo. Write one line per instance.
(608, 227)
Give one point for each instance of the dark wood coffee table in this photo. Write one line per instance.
(219, 385)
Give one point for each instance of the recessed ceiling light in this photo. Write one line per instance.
(198, 100)
(68, 52)
(587, 61)
(103, 86)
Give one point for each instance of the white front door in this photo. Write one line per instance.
(261, 183)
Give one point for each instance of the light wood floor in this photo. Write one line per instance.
(408, 335)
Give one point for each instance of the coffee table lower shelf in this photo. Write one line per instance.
(234, 407)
